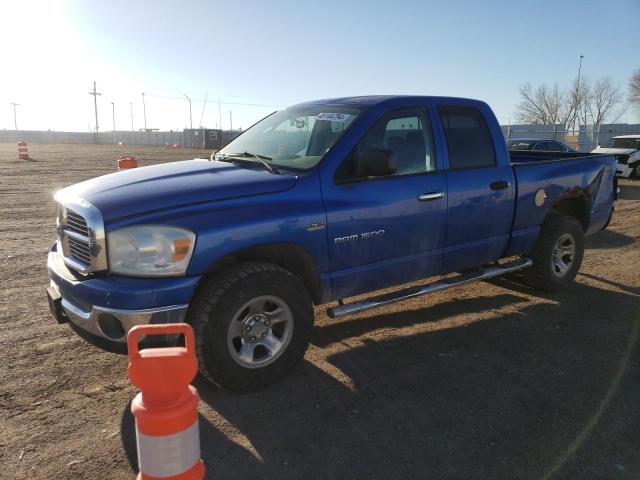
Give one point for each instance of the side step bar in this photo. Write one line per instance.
(412, 292)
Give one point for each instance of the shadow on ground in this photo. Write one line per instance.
(608, 239)
(543, 388)
(630, 192)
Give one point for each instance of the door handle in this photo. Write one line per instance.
(426, 197)
(499, 185)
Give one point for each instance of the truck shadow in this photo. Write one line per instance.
(509, 396)
(608, 239)
(354, 327)
(629, 192)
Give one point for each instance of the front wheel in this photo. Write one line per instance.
(557, 255)
(252, 323)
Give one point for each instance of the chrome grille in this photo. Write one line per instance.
(76, 223)
(81, 237)
(80, 250)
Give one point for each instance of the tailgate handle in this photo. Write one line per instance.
(426, 197)
(499, 185)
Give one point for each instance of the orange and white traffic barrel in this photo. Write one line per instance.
(23, 150)
(125, 162)
(166, 409)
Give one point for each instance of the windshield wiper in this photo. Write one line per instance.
(261, 158)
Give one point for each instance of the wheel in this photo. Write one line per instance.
(636, 172)
(252, 324)
(557, 255)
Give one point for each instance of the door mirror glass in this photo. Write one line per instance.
(375, 162)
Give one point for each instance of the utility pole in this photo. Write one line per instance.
(131, 112)
(95, 102)
(190, 116)
(230, 121)
(15, 118)
(219, 113)
(144, 112)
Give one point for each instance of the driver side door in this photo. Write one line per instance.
(388, 230)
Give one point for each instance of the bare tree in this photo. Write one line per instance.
(634, 89)
(542, 105)
(583, 103)
(606, 102)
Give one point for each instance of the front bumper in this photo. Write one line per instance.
(624, 170)
(103, 309)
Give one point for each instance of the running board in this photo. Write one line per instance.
(412, 292)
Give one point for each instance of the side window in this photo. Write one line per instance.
(542, 147)
(469, 141)
(405, 132)
(557, 147)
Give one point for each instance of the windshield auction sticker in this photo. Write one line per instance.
(333, 117)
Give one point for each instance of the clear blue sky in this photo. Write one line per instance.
(277, 53)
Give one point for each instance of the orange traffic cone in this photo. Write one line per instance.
(166, 409)
(126, 162)
(23, 150)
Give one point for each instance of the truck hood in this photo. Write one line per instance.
(614, 151)
(167, 185)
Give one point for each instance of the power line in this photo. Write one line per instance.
(95, 102)
(168, 97)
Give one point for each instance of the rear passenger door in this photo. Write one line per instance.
(480, 189)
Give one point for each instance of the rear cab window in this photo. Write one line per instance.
(467, 135)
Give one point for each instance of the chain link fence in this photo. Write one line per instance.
(102, 138)
(585, 140)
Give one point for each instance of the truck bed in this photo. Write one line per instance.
(523, 157)
(588, 178)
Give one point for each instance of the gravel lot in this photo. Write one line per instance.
(489, 381)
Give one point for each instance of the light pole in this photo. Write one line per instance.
(190, 116)
(113, 118)
(577, 93)
(144, 112)
(15, 118)
(131, 112)
(230, 121)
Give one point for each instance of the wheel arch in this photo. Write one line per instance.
(290, 256)
(575, 206)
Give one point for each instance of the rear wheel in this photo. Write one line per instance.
(557, 255)
(253, 323)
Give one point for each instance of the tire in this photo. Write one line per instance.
(547, 272)
(241, 310)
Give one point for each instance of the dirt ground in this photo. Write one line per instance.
(488, 381)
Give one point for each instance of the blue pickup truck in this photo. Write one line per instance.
(316, 203)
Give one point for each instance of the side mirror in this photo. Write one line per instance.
(376, 162)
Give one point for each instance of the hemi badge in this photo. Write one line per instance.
(315, 226)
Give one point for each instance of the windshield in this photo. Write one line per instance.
(296, 138)
(520, 145)
(633, 143)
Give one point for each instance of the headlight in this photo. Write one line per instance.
(150, 250)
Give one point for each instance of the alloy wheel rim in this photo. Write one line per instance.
(260, 331)
(563, 255)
